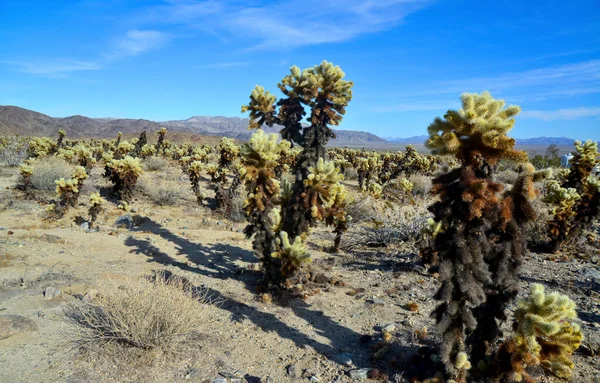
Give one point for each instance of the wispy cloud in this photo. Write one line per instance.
(555, 82)
(288, 24)
(230, 64)
(135, 42)
(562, 114)
(54, 68)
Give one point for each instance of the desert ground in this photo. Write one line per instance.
(48, 267)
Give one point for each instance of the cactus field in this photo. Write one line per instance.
(144, 258)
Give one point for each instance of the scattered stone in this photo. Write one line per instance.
(315, 379)
(51, 238)
(219, 380)
(51, 293)
(291, 370)
(378, 301)
(388, 328)
(10, 232)
(133, 210)
(124, 221)
(590, 273)
(13, 324)
(594, 259)
(359, 373)
(267, 379)
(344, 359)
(85, 226)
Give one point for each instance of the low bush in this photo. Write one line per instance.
(158, 313)
(48, 170)
(153, 164)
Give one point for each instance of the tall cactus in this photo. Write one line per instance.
(480, 241)
(323, 90)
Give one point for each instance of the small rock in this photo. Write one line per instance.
(378, 301)
(51, 238)
(590, 273)
(133, 210)
(124, 221)
(219, 380)
(594, 259)
(359, 373)
(388, 328)
(344, 359)
(315, 379)
(291, 370)
(51, 293)
(267, 379)
(13, 324)
(85, 226)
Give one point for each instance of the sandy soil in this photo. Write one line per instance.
(244, 336)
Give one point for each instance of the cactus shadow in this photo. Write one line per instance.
(213, 260)
(340, 339)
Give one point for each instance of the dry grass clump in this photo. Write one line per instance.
(164, 196)
(153, 164)
(507, 176)
(48, 170)
(421, 185)
(536, 231)
(362, 208)
(158, 313)
(350, 174)
(398, 224)
(13, 154)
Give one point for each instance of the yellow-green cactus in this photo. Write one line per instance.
(292, 254)
(544, 335)
(124, 175)
(96, 203)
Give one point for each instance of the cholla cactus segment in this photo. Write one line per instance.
(293, 254)
(263, 148)
(483, 123)
(406, 185)
(26, 171)
(375, 190)
(564, 199)
(124, 175)
(79, 174)
(545, 334)
(261, 107)
(63, 186)
(96, 199)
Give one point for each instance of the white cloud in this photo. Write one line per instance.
(54, 68)
(136, 42)
(287, 24)
(562, 114)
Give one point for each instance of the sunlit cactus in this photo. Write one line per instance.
(194, 171)
(160, 144)
(96, 203)
(67, 192)
(124, 175)
(291, 254)
(259, 158)
(576, 199)
(544, 335)
(479, 238)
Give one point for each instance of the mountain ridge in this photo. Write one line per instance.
(17, 120)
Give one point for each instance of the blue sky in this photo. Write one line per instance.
(409, 59)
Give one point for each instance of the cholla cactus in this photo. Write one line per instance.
(138, 150)
(160, 144)
(214, 172)
(194, 171)
(259, 158)
(96, 202)
(577, 198)
(123, 149)
(375, 190)
(85, 157)
(480, 240)
(325, 92)
(544, 335)
(67, 192)
(80, 175)
(320, 186)
(292, 255)
(124, 175)
(26, 172)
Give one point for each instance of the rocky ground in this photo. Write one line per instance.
(48, 266)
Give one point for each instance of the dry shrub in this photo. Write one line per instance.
(421, 184)
(158, 313)
(47, 170)
(235, 209)
(398, 224)
(13, 154)
(153, 164)
(362, 208)
(350, 174)
(164, 196)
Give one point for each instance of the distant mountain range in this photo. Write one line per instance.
(15, 120)
(545, 141)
